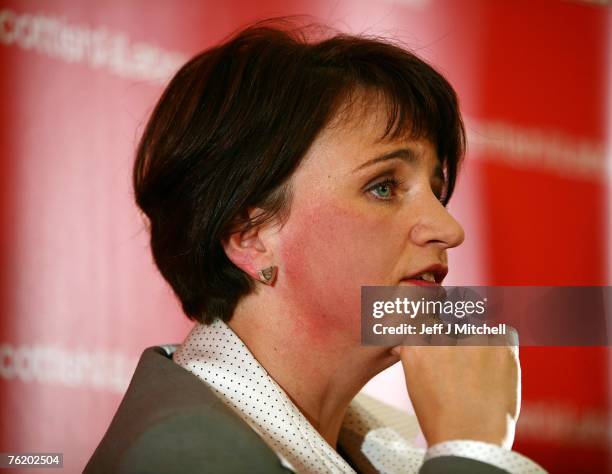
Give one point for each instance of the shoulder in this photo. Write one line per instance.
(169, 421)
(197, 442)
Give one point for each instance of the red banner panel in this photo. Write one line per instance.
(79, 293)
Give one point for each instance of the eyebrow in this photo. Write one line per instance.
(405, 154)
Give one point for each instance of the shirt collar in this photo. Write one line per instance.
(216, 355)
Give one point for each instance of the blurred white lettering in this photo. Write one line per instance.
(97, 48)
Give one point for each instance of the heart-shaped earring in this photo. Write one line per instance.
(267, 275)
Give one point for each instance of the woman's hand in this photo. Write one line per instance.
(464, 392)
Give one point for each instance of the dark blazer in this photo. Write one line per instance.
(171, 422)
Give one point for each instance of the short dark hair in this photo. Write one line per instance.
(235, 122)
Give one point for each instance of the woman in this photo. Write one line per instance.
(279, 175)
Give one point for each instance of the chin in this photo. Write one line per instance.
(383, 357)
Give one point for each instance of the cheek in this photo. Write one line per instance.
(327, 254)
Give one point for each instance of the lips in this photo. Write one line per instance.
(432, 275)
(417, 282)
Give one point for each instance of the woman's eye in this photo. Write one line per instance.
(384, 190)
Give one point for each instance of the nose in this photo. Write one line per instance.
(436, 225)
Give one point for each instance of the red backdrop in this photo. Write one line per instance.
(80, 297)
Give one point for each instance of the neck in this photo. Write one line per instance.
(318, 370)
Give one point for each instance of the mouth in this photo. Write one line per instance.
(430, 276)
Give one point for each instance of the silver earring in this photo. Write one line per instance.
(267, 275)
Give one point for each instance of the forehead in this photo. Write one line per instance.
(357, 133)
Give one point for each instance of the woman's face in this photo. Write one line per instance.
(364, 212)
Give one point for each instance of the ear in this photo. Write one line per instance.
(249, 250)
